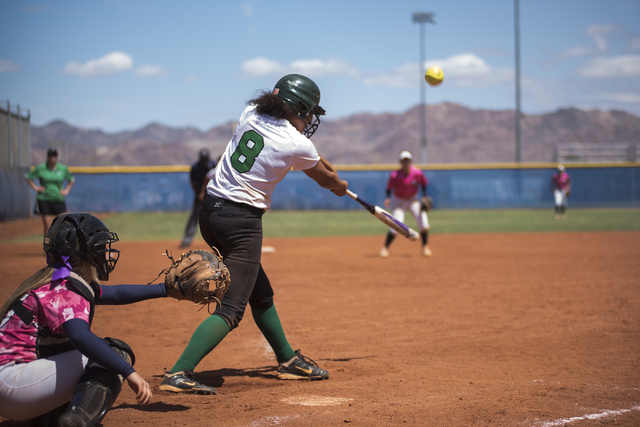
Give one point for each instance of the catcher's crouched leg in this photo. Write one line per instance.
(96, 391)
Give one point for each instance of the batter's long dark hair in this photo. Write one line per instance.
(271, 105)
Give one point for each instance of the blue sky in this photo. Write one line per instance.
(120, 65)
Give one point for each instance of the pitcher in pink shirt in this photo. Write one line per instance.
(404, 184)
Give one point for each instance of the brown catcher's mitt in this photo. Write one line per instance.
(197, 276)
(427, 203)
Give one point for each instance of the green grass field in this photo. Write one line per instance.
(170, 225)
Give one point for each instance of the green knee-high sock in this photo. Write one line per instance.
(206, 337)
(270, 326)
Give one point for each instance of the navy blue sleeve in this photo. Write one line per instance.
(128, 294)
(95, 348)
(424, 191)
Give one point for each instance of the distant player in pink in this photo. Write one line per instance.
(561, 189)
(404, 184)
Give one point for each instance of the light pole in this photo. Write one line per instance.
(423, 18)
(517, 48)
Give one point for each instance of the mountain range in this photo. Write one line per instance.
(455, 134)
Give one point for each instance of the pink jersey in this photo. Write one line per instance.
(50, 308)
(406, 186)
(561, 180)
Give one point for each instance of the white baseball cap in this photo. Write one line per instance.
(560, 167)
(405, 155)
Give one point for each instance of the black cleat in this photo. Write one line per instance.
(184, 382)
(301, 368)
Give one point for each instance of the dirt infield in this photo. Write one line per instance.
(494, 329)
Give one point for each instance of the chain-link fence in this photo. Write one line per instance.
(15, 135)
(621, 152)
(15, 160)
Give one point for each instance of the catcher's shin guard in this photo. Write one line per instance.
(96, 391)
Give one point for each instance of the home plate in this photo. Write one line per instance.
(315, 400)
(268, 249)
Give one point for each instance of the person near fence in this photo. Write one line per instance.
(404, 184)
(561, 190)
(197, 177)
(51, 188)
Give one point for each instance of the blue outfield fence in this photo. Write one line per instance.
(501, 186)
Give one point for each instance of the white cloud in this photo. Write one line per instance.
(151, 71)
(466, 69)
(193, 78)
(108, 65)
(597, 32)
(259, 67)
(8, 66)
(618, 67)
(319, 68)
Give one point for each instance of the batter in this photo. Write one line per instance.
(271, 138)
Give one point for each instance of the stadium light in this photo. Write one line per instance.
(423, 18)
(516, 20)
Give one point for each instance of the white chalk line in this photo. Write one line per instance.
(605, 414)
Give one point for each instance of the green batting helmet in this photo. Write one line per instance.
(298, 92)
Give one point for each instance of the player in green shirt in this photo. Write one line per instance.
(51, 191)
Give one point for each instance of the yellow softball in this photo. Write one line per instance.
(434, 76)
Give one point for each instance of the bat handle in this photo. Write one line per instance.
(351, 194)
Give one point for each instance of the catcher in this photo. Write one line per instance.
(403, 184)
(53, 368)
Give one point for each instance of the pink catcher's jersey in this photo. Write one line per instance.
(261, 152)
(50, 307)
(406, 186)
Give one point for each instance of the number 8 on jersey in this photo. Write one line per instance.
(249, 146)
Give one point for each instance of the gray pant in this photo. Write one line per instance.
(192, 224)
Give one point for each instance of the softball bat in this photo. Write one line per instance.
(387, 219)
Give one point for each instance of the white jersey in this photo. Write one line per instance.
(261, 152)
